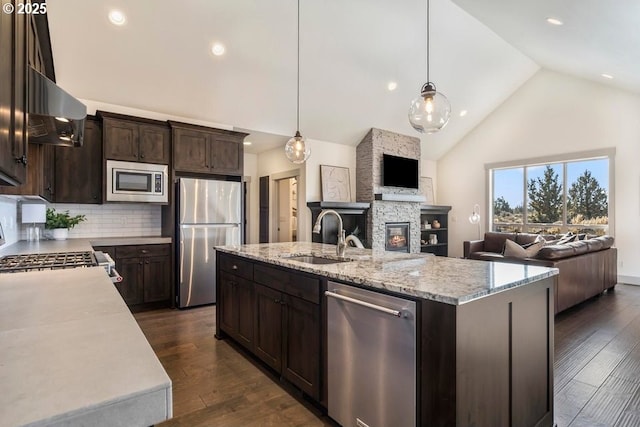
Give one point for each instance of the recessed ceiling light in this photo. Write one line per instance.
(463, 113)
(218, 49)
(607, 76)
(392, 86)
(117, 18)
(247, 143)
(554, 21)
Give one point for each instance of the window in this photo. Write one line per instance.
(554, 196)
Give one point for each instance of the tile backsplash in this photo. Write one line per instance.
(112, 220)
(8, 219)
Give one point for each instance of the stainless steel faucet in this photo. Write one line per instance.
(342, 245)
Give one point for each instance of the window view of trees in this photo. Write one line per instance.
(560, 197)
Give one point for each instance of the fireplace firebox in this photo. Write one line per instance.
(397, 234)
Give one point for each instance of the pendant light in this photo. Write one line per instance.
(430, 111)
(296, 149)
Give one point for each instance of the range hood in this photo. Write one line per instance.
(54, 116)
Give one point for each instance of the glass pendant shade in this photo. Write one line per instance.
(474, 218)
(296, 149)
(431, 111)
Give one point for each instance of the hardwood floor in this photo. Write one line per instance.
(597, 369)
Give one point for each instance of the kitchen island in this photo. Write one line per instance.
(484, 350)
(71, 353)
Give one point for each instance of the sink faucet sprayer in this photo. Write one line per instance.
(342, 245)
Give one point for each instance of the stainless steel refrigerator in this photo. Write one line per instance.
(209, 214)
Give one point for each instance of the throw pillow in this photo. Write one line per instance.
(514, 250)
(538, 239)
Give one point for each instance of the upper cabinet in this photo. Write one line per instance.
(78, 171)
(135, 139)
(198, 149)
(13, 100)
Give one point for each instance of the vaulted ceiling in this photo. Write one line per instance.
(161, 61)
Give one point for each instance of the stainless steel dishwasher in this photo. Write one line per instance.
(371, 346)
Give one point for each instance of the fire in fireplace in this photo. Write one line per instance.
(397, 236)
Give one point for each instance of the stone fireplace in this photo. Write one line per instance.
(397, 236)
(389, 205)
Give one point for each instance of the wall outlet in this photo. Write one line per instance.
(454, 218)
(620, 263)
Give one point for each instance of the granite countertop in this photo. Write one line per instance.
(449, 280)
(77, 245)
(71, 353)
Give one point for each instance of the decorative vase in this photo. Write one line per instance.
(435, 223)
(60, 233)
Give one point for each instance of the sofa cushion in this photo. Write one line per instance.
(494, 241)
(555, 252)
(607, 241)
(486, 256)
(580, 247)
(514, 250)
(594, 244)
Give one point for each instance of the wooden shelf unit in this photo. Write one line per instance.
(427, 214)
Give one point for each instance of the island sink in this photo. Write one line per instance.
(313, 259)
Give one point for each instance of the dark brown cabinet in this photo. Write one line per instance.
(429, 214)
(197, 149)
(275, 313)
(40, 178)
(146, 273)
(78, 171)
(135, 139)
(237, 307)
(13, 102)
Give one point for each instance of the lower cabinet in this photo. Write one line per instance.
(276, 316)
(145, 271)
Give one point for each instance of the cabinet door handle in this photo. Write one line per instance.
(140, 263)
(144, 251)
(277, 301)
(234, 267)
(142, 156)
(22, 159)
(147, 262)
(233, 283)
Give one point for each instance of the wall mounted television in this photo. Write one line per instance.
(399, 172)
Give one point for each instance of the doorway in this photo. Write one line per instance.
(287, 209)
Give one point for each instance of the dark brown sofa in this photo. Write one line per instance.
(586, 267)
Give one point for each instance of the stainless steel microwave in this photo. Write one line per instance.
(136, 182)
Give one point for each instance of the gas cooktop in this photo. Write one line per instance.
(50, 261)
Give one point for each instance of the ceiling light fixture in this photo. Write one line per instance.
(554, 21)
(463, 113)
(117, 18)
(218, 49)
(430, 111)
(391, 86)
(607, 76)
(296, 148)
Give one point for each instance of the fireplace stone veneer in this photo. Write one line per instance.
(369, 183)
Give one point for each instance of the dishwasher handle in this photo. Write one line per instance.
(386, 310)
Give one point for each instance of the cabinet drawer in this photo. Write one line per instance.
(271, 277)
(236, 266)
(133, 251)
(303, 287)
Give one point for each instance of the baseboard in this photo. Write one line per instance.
(629, 280)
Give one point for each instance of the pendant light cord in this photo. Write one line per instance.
(298, 78)
(427, 40)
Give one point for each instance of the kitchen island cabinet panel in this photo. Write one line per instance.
(268, 315)
(301, 345)
(236, 305)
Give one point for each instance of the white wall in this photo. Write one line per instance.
(551, 114)
(328, 153)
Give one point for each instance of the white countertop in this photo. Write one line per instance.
(71, 353)
(449, 280)
(76, 245)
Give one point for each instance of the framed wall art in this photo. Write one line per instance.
(426, 183)
(336, 184)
